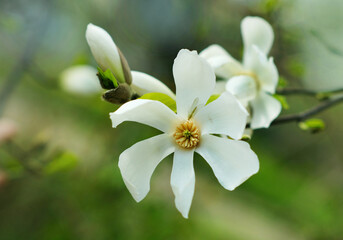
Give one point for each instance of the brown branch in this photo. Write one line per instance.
(300, 91)
(309, 113)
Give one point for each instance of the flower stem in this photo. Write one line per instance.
(301, 91)
(298, 117)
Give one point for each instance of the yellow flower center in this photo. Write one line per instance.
(187, 134)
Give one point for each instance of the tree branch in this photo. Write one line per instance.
(308, 113)
(300, 91)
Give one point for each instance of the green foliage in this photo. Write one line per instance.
(313, 125)
(212, 98)
(323, 95)
(161, 97)
(64, 162)
(107, 79)
(282, 82)
(282, 100)
(295, 67)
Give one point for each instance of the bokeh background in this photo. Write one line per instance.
(58, 173)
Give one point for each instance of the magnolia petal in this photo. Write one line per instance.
(149, 112)
(194, 80)
(264, 69)
(214, 50)
(243, 87)
(138, 162)
(265, 109)
(143, 83)
(221, 61)
(183, 180)
(232, 161)
(256, 31)
(104, 51)
(225, 115)
(80, 79)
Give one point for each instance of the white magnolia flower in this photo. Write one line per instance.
(188, 131)
(255, 79)
(108, 56)
(80, 79)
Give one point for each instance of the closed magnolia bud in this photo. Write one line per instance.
(119, 95)
(107, 54)
(81, 80)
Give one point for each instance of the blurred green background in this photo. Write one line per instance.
(59, 177)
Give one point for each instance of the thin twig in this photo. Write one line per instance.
(308, 113)
(300, 91)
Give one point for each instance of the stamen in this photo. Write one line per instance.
(187, 134)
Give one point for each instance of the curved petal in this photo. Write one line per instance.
(265, 109)
(183, 180)
(214, 50)
(225, 115)
(194, 80)
(264, 69)
(242, 87)
(256, 31)
(232, 161)
(138, 162)
(80, 79)
(104, 51)
(143, 83)
(149, 112)
(221, 61)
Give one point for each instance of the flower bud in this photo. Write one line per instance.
(80, 79)
(119, 95)
(107, 54)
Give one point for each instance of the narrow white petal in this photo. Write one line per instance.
(225, 115)
(104, 51)
(194, 80)
(265, 109)
(264, 69)
(143, 83)
(138, 162)
(232, 161)
(183, 180)
(214, 50)
(149, 112)
(256, 31)
(80, 79)
(221, 61)
(243, 87)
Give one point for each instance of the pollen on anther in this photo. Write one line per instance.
(187, 134)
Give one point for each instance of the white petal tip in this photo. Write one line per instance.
(132, 189)
(113, 119)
